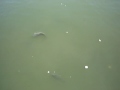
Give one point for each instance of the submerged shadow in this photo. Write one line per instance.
(57, 77)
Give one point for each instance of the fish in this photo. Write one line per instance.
(38, 34)
(56, 76)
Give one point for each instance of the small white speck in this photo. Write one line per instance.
(70, 76)
(32, 56)
(48, 71)
(61, 4)
(66, 32)
(65, 5)
(54, 71)
(86, 67)
(99, 40)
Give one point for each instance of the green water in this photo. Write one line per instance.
(25, 60)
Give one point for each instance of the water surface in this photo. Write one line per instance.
(24, 60)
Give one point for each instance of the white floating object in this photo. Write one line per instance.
(65, 5)
(54, 71)
(32, 56)
(61, 4)
(48, 72)
(66, 32)
(70, 76)
(86, 67)
(99, 40)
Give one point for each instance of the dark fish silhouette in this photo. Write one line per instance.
(56, 76)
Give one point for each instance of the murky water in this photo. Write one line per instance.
(78, 33)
